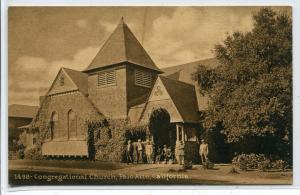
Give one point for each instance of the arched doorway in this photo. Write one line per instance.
(160, 127)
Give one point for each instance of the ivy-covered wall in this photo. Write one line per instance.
(61, 104)
(110, 139)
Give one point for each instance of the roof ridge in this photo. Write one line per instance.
(125, 42)
(121, 46)
(138, 42)
(104, 44)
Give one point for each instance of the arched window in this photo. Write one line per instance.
(54, 120)
(72, 126)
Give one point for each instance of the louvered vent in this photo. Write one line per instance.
(143, 78)
(107, 78)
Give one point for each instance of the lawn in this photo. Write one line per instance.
(59, 172)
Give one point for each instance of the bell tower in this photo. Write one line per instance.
(121, 75)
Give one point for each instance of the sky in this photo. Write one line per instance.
(43, 39)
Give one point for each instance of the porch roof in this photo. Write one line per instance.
(184, 98)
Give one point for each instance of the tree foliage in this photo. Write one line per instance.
(251, 90)
(205, 77)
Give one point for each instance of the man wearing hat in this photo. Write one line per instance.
(179, 151)
(149, 151)
(139, 151)
(129, 152)
(203, 151)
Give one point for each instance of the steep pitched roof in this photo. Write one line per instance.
(79, 78)
(184, 97)
(122, 46)
(78, 81)
(24, 111)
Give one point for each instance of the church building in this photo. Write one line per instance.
(121, 82)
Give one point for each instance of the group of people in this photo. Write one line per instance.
(203, 152)
(146, 153)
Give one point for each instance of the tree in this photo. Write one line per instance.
(251, 90)
(206, 78)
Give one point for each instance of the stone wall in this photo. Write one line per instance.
(110, 100)
(62, 104)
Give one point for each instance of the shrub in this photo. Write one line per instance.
(257, 161)
(12, 155)
(93, 129)
(264, 165)
(279, 164)
(250, 161)
(113, 152)
(33, 154)
(111, 146)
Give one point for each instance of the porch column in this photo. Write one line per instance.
(182, 133)
(185, 134)
(177, 132)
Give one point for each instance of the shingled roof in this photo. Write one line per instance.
(184, 97)
(183, 72)
(79, 78)
(122, 46)
(23, 111)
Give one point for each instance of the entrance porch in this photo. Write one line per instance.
(188, 135)
(179, 133)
